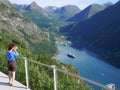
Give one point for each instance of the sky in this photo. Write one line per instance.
(80, 3)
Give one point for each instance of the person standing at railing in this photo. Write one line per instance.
(11, 54)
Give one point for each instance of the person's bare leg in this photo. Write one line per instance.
(13, 77)
(10, 77)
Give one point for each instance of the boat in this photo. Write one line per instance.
(71, 55)
(65, 45)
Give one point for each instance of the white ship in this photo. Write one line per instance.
(71, 55)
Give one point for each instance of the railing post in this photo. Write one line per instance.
(26, 72)
(55, 77)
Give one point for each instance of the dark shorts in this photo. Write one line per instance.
(12, 65)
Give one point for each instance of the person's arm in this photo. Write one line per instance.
(15, 52)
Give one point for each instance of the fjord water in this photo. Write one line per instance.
(89, 66)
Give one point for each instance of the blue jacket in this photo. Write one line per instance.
(11, 55)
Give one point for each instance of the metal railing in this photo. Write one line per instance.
(55, 69)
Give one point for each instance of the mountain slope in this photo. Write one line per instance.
(15, 27)
(62, 13)
(88, 12)
(100, 34)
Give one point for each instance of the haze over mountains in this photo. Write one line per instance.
(100, 33)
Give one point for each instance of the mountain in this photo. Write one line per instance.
(100, 34)
(15, 27)
(35, 13)
(89, 12)
(33, 6)
(49, 18)
(62, 13)
(39, 16)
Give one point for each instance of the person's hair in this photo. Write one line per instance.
(11, 46)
